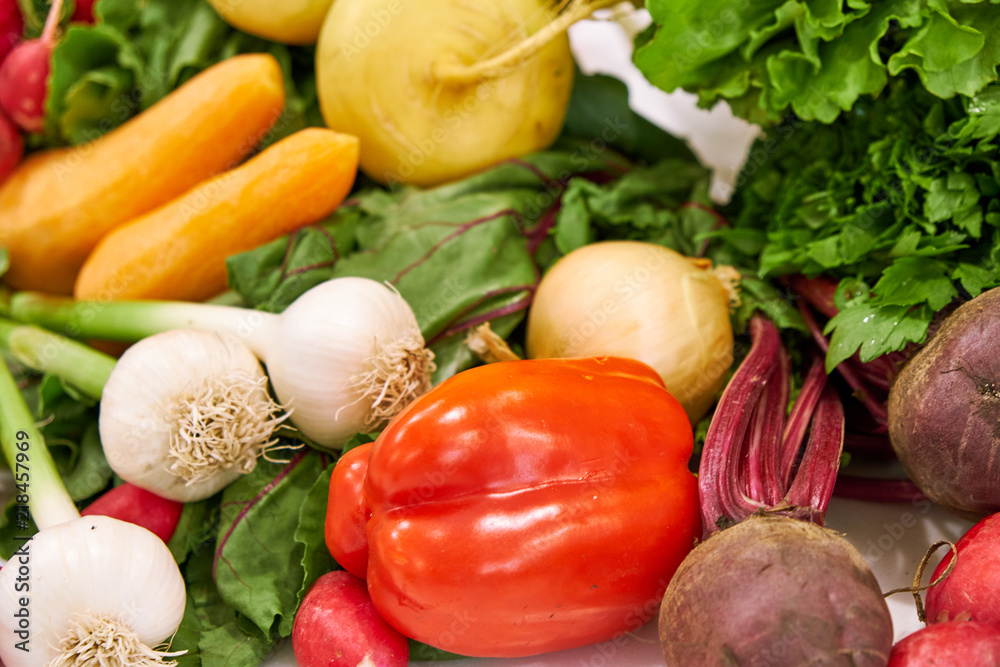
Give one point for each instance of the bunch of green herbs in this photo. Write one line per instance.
(897, 199)
(769, 58)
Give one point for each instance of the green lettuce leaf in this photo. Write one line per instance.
(816, 59)
(211, 631)
(268, 541)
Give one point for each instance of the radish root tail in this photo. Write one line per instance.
(916, 588)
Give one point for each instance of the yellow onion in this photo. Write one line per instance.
(645, 302)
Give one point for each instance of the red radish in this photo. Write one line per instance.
(769, 585)
(84, 11)
(11, 26)
(954, 644)
(337, 626)
(11, 147)
(24, 75)
(972, 590)
(128, 502)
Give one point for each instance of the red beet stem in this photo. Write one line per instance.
(818, 292)
(862, 391)
(748, 461)
(766, 425)
(799, 418)
(877, 373)
(722, 501)
(877, 490)
(812, 486)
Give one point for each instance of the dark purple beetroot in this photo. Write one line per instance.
(773, 591)
(770, 587)
(944, 411)
(953, 644)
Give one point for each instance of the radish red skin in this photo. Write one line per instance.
(337, 626)
(11, 26)
(128, 502)
(954, 644)
(24, 83)
(11, 147)
(775, 591)
(972, 590)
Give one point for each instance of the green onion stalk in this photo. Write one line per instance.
(79, 365)
(183, 413)
(34, 470)
(346, 356)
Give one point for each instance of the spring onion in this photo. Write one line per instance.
(346, 356)
(183, 413)
(84, 590)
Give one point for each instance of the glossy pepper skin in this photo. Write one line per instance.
(524, 507)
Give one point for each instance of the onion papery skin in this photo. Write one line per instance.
(640, 301)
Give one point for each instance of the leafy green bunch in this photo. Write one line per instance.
(137, 52)
(816, 58)
(897, 198)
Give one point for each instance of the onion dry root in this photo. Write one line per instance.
(104, 640)
(227, 422)
(400, 372)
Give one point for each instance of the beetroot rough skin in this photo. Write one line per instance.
(772, 591)
(954, 644)
(944, 411)
(972, 591)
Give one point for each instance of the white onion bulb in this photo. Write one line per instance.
(641, 301)
(346, 356)
(92, 587)
(184, 413)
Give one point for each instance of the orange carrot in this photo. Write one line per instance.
(58, 204)
(179, 251)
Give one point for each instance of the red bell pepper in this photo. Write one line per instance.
(522, 507)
